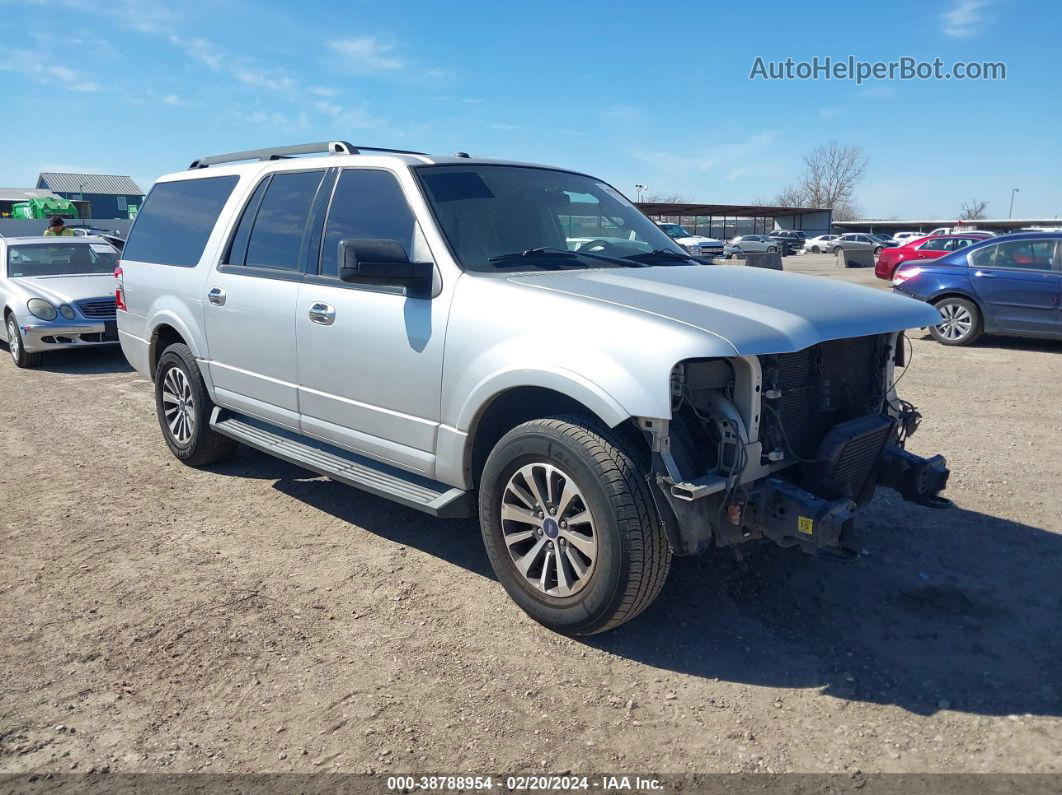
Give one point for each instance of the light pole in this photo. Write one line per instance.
(1010, 213)
(641, 189)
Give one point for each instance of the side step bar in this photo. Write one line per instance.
(383, 480)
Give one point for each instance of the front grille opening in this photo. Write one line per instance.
(818, 388)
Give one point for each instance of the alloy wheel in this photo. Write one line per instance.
(549, 530)
(957, 322)
(178, 405)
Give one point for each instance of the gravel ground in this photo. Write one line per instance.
(252, 617)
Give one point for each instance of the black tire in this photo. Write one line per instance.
(632, 554)
(771, 249)
(203, 445)
(878, 250)
(837, 249)
(814, 249)
(946, 336)
(17, 349)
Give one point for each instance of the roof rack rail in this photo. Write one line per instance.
(279, 152)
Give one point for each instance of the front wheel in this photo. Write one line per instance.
(878, 250)
(815, 250)
(183, 407)
(837, 250)
(570, 527)
(961, 322)
(771, 249)
(16, 348)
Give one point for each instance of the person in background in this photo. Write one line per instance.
(57, 228)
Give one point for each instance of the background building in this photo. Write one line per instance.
(107, 195)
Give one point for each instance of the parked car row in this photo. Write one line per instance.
(441, 332)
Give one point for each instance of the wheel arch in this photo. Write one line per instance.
(515, 405)
(166, 330)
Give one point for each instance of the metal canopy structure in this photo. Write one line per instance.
(728, 220)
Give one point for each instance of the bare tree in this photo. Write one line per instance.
(973, 210)
(831, 173)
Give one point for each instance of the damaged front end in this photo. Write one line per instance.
(787, 447)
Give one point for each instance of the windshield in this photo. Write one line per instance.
(506, 218)
(62, 259)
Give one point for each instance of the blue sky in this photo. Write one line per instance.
(657, 94)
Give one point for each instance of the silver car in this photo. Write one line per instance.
(467, 336)
(858, 241)
(744, 244)
(57, 293)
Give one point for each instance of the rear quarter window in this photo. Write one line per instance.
(173, 226)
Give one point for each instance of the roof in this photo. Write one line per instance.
(25, 194)
(737, 210)
(89, 183)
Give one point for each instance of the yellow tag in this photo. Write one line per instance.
(805, 525)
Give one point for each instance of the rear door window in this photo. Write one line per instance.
(1035, 255)
(277, 232)
(173, 226)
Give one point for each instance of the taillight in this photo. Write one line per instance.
(903, 274)
(119, 289)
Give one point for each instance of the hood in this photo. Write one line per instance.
(756, 311)
(68, 288)
(698, 240)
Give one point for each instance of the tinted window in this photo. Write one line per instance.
(367, 205)
(983, 257)
(238, 249)
(935, 244)
(276, 237)
(175, 222)
(1026, 254)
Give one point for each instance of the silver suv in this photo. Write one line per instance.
(470, 336)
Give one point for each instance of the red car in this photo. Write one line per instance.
(923, 248)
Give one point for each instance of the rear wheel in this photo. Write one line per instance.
(771, 249)
(878, 250)
(570, 527)
(961, 322)
(183, 407)
(17, 349)
(837, 249)
(815, 250)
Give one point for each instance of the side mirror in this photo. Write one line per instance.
(381, 262)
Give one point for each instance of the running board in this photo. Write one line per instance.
(348, 468)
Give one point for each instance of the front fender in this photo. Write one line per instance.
(572, 384)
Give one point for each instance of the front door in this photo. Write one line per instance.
(251, 298)
(1019, 282)
(370, 358)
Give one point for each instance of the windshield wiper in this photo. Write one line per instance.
(662, 254)
(558, 253)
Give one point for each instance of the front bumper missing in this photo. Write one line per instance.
(776, 509)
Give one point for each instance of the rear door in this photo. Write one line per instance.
(251, 297)
(1019, 284)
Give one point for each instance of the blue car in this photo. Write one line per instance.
(1009, 285)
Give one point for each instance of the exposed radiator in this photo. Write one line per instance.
(818, 388)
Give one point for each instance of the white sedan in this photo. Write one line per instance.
(818, 244)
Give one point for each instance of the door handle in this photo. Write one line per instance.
(984, 275)
(322, 314)
(216, 296)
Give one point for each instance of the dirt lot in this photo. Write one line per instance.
(255, 618)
